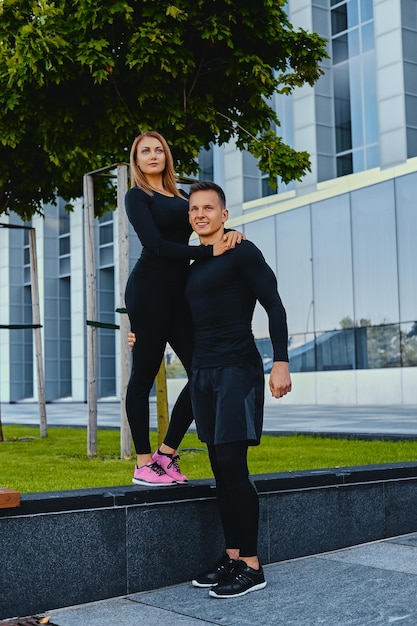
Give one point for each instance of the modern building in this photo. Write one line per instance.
(343, 241)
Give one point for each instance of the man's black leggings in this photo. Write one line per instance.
(236, 495)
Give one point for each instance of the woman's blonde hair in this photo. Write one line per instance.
(138, 178)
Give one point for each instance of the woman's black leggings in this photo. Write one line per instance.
(236, 495)
(157, 316)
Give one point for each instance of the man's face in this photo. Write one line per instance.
(206, 214)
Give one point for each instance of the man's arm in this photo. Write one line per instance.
(263, 283)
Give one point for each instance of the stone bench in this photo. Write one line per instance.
(65, 548)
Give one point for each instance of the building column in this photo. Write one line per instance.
(390, 82)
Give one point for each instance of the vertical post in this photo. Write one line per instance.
(125, 434)
(162, 402)
(91, 306)
(36, 318)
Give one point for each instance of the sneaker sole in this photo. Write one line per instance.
(213, 593)
(195, 583)
(137, 481)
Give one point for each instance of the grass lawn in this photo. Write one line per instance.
(29, 463)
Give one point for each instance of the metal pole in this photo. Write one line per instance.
(36, 318)
(91, 306)
(125, 434)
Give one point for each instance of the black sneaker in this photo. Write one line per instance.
(217, 573)
(240, 581)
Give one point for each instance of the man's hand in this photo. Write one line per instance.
(131, 340)
(280, 379)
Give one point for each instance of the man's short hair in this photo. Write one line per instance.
(208, 185)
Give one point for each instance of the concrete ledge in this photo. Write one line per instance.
(65, 548)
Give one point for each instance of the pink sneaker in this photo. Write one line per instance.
(151, 475)
(170, 466)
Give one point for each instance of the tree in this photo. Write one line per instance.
(81, 78)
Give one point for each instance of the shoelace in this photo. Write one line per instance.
(235, 573)
(155, 467)
(174, 464)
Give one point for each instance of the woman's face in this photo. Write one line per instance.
(150, 156)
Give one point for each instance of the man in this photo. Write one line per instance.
(227, 382)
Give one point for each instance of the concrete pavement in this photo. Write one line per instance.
(367, 585)
(332, 419)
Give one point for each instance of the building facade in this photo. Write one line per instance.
(342, 242)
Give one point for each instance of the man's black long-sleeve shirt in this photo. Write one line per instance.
(222, 292)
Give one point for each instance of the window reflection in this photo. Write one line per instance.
(336, 350)
(302, 352)
(374, 254)
(408, 334)
(363, 347)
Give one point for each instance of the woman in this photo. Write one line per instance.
(155, 300)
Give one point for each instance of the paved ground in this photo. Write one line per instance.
(394, 419)
(367, 585)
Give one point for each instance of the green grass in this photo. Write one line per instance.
(29, 463)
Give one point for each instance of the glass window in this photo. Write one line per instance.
(370, 106)
(356, 103)
(64, 245)
(411, 110)
(332, 263)
(358, 159)
(251, 188)
(409, 344)
(367, 10)
(367, 36)
(325, 139)
(340, 49)
(408, 13)
(409, 45)
(251, 177)
(106, 234)
(294, 268)
(302, 352)
(352, 8)
(378, 346)
(64, 222)
(344, 164)
(205, 161)
(410, 78)
(64, 266)
(262, 233)
(375, 281)
(342, 108)
(339, 19)
(411, 142)
(267, 190)
(405, 195)
(372, 157)
(353, 39)
(335, 350)
(106, 256)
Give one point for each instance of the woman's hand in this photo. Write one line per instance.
(228, 242)
(232, 237)
(131, 340)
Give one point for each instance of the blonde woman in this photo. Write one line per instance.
(155, 300)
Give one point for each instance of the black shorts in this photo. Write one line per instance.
(228, 403)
